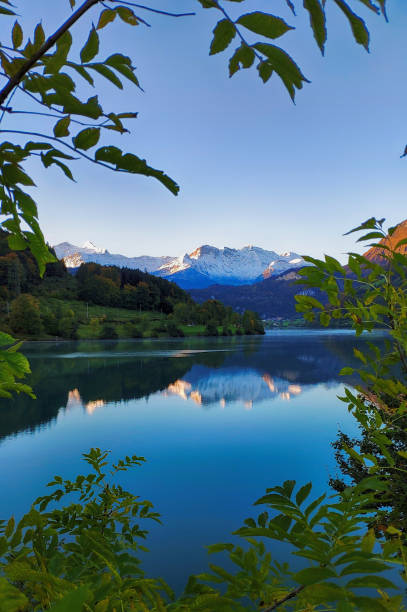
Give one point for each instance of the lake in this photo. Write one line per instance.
(218, 419)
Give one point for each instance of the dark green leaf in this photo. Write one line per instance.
(106, 16)
(312, 575)
(242, 58)
(265, 71)
(111, 155)
(358, 26)
(303, 493)
(264, 24)
(223, 34)
(107, 73)
(11, 598)
(284, 65)
(87, 138)
(39, 37)
(61, 128)
(91, 47)
(74, 600)
(317, 20)
(132, 163)
(127, 15)
(373, 582)
(12, 175)
(17, 35)
(364, 567)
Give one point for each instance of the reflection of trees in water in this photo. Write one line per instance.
(116, 371)
(109, 379)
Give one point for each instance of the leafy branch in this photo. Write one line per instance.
(15, 80)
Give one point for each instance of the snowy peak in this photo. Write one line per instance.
(92, 248)
(208, 265)
(74, 256)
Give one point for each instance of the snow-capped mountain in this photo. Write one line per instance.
(205, 266)
(74, 256)
(209, 265)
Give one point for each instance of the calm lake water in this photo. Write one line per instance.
(218, 419)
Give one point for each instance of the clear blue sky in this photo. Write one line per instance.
(253, 167)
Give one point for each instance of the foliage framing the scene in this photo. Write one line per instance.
(94, 569)
(84, 555)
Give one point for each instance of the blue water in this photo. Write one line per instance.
(218, 420)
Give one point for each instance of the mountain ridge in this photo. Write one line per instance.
(205, 266)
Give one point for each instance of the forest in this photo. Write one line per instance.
(104, 302)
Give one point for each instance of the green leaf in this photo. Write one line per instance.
(65, 169)
(5, 11)
(312, 575)
(106, 16)
(371, 236)
(16, 242)
(303, 493)
(317, 20)
(368, 541)
(12, 175)
(265, 71)
(39, 37)
(12, 600)
(111, 155)
(364, 567)
(373, 582)
(17, 35)
(359, 355)
(107, 73)
(74, 600)
(284, 65)
(264, 24)
(243, 57)
(122, 64)
(346, 371)
(358, 26)
(91, 47)
(368, 224)
(61, 128)
(127, 15)
(54, 63)
(223, 34)
(87, 138)
(82, 71)
(324, 319)
(11, 523)
(132, 163)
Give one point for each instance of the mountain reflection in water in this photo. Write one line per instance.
(205, 371)
(248, 387)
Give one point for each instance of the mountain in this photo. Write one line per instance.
(375, 254)
(273, 297)
(205, 266)
(208, 265)
(74, 256)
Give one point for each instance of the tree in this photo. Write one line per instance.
(25, 315)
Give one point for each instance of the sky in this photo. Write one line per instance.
(253, 167)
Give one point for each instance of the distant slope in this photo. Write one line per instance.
(375, 254)
(273, 297)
